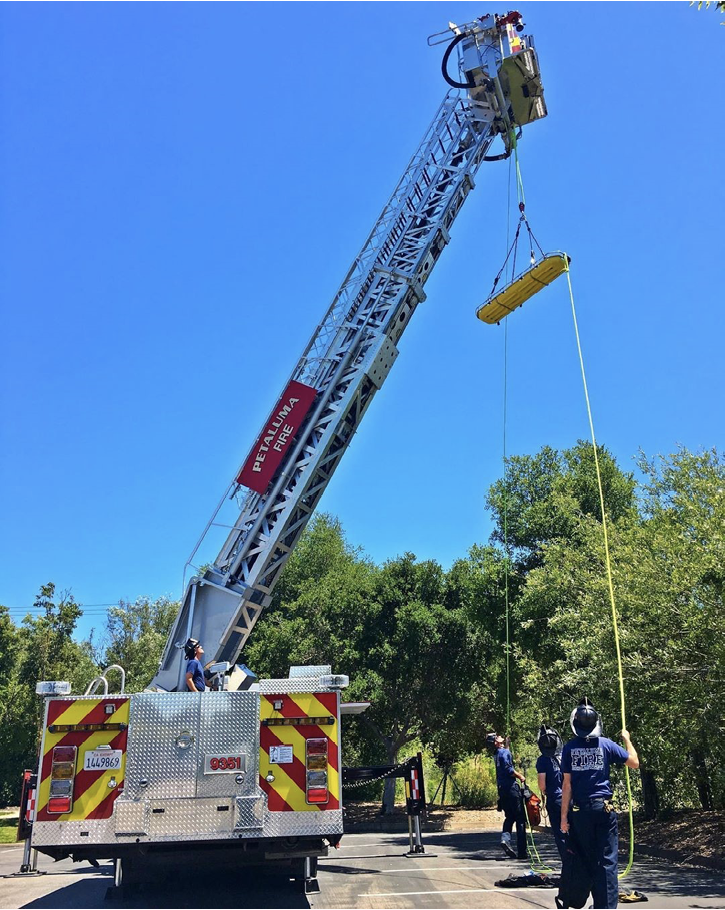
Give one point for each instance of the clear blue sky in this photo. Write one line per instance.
(185, 185)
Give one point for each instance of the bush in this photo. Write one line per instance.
(474, 783)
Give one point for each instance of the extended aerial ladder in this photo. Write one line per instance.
(351, 352)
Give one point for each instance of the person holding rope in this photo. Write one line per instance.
(510, 800)
(591, 827)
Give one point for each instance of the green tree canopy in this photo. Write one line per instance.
(42, 649)
(543, 497)
(135, 636)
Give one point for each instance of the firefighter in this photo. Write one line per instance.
(548, 767)
(592, 824)
(195, 680)
(510, 800)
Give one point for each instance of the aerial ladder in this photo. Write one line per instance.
(350, 353)
(253, 770)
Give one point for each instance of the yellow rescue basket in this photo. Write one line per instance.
(522, 288)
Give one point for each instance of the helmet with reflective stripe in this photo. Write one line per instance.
(549, 741)
(585, 721)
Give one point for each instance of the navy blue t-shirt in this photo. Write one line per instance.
(588, 761)
(197, 670)
(551, 767)
(504, 770)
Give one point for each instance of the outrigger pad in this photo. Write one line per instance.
(522, 288)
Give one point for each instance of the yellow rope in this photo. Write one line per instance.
(505, 482)
(608, 562)
(537, 864)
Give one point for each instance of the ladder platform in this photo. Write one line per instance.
(534, 279)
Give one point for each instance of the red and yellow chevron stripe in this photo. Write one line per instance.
(287, 793)
(92, 797)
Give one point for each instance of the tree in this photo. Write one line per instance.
(421, 661)
(542, 498)
(135, 636)
(320, 604)
(719, 5)
(679, 623)
(44, 650)
(477, 585)
(406, 651)
(9, 649)
(667, 564)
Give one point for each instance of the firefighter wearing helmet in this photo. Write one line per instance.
(510, 798)
(591, 825)
(548, 767)
(195, 680)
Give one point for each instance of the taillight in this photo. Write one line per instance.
(64, 753)
(64, 770)
(62, 773)
(316, 770)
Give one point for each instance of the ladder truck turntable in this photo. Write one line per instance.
(252, 772)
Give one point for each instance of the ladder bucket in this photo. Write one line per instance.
(522, 288)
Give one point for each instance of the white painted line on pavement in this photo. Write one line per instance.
(436, 869)
(372, 894)
(356, 845)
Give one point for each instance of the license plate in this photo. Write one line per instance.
(224, 764)
(103, 760)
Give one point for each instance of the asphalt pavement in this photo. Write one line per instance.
(458, 870)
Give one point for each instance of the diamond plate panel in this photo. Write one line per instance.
(157, 719)
(250, 813)
(131, 817)
(281, 686)
(229, 726)
(289, 824)
(307, 672)
(191, 818)
(85, 831)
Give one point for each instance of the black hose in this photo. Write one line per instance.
(444, 65)
(504, 155)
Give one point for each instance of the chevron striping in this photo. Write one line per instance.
(289, 778)
(275, 803)
(90, 789)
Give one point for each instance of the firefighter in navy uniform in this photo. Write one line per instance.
(510, 800)
(592, 823)
(195, 671)
(548, 767)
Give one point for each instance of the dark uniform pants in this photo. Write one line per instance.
(554, 809)
(594, 835)
(513, 808)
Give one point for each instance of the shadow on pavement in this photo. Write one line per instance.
(336, 868)
(647, 874)
(248, 888)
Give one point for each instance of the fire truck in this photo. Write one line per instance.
(251, 771)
